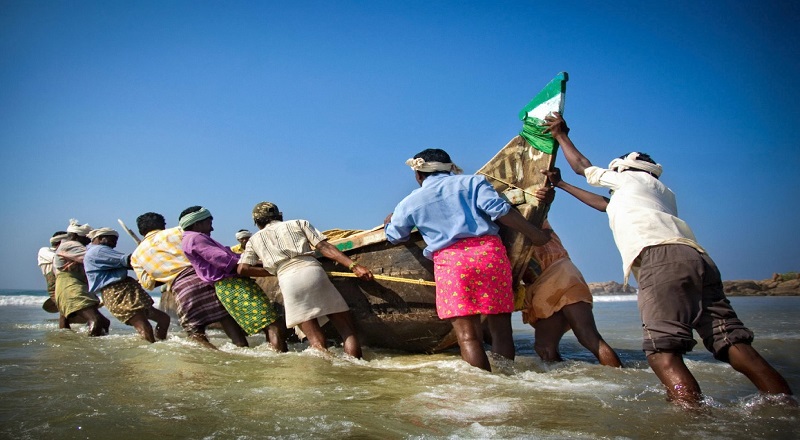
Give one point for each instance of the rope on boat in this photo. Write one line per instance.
(510, 185)
(385, 278)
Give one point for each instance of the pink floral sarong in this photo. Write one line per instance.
(473, 276)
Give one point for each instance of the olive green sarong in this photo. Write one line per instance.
(72, 292)
(246, 303)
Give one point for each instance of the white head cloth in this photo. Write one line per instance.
(57, 238)
(79, 229)
(419, 164)
(243, 234)
(101, 232)
(632, 161)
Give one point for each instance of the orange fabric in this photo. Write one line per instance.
(560, 283)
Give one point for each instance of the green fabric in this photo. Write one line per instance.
(551, 98)
(246, 303)
(194, 217)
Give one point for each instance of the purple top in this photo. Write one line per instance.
(211, 259)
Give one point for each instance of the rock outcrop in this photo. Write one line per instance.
(611, 288)
(778, 285)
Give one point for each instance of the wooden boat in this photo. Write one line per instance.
(398, 309)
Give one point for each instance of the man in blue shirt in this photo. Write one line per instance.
(456, 216)
(107, 273)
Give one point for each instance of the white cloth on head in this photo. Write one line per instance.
(79, 229)
(57, 238)
(243, 234)
(419, 164)
(101, 232)
(632, 161)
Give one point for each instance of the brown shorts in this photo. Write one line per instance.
(680, 289)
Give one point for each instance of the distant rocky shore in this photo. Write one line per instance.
(778, 285)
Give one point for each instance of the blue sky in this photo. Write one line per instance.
(109, 109)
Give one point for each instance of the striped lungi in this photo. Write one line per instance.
(247, 303)
(197, 300)
(307, 291)
(124, 298)
(473, 277)
(72, 292)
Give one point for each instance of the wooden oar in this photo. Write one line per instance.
(131, 233)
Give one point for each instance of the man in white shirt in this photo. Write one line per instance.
(45, 261)
(680, 287)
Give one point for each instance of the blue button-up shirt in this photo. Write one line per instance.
(104, 266)
(446, 209)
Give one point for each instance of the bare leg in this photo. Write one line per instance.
(502, 337)
(314, 334)
(162, 322)
(580, 318)
(276, 336)
(468, 332)
(343, 322)
(63, 322)
(234, 332)
(746, 360)
(547, 336)
(682, 387)
(200, 337)
(96, 322)
(142, 325)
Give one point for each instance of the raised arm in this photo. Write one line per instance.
(557, 127)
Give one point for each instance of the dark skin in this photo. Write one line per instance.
(141, 319)
(97, 323)
(275, 332)
(468, 329)
(577, 317)
(342, 321)
(682, 387)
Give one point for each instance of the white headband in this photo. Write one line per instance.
(81, 230)
(243, 234)
(632, 161)
(57, 238)
(419, 164)
(101, 232)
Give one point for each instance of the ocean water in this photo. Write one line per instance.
(62, 384)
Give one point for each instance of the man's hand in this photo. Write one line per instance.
(388, 219)
(363, 273)
(545, 194)
(554, 176)
(556, 125)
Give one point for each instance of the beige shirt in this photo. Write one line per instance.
(278, 242)
(45, 259)
(642, 212)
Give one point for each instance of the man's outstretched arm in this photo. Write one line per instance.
(557, 127)
(596, 201)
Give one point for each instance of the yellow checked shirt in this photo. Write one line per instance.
(159, 257)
